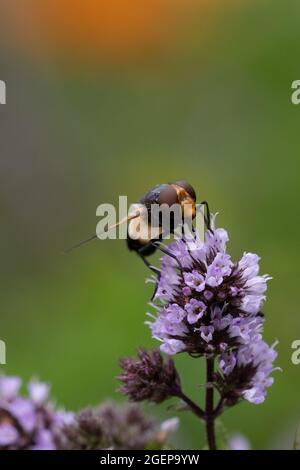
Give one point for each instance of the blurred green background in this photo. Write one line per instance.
(91, 119)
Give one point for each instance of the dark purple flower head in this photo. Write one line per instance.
(111, 426)
(149, 377)
(29, 422)
(205, 302)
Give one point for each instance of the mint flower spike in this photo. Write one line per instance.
(246, 372)
(207, 305)
(32, 422)
(149, 377)
(216, 302)
(28, 422)
(116, 427)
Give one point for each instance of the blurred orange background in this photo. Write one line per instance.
(118, 29)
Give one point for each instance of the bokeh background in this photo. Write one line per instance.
(110, 97)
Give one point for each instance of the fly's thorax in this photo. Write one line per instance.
(186, 201)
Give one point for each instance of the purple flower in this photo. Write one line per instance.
(172, 346)
(169, 329)
(38, 392)
(245, 329)
(218, 269)
(206, 333)
(186, 291)
(8, 435)
(181, 251)
(208, 295)
(174, 313)
(24, 411)
(221, 321)
(194, 280)
(166, 287)
(208, 300)
(27, 422)
(9, 387)
(216, 240)
(247, 371)
(249, 265)
(195, 310)
(44, 441)
(251, 304)
(227, 363)
(257, 285)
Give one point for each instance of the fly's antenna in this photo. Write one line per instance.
(120, 222)
(83, 242)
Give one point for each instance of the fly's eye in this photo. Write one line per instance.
(188, 188)
(168, 195)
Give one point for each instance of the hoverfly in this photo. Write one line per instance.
(178, 192)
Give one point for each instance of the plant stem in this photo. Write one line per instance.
(209, 405)
(219, 408)
(192, 405)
